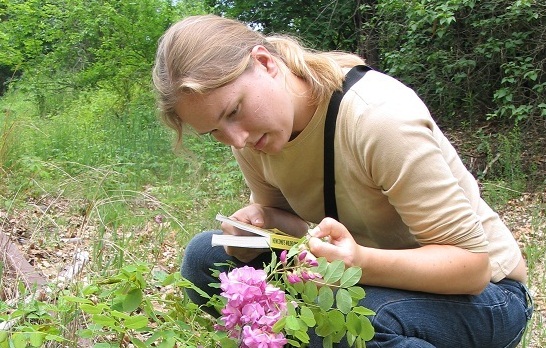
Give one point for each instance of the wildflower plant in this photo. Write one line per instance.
(279, 304)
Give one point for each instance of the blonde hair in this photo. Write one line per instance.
(201, 53)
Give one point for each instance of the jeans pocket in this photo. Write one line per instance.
(529, 298)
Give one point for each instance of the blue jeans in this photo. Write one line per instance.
(496, 318)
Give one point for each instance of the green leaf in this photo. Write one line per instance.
(138, 343)
(363, 311)
(119, 315)
(327, 342)
(367, 331)
(310, 292)
(334, 272)
(291, 343)
(324, 329)
(337, 336)
(136, 322)
(36, 339)
(307, 316)
(291, 309)
(226, 342)
(350, 277)
(103, 320)
(302, 336)
(343, 301)
(351, 339)
(90, 289)
(357, 292)
(353, 324)
(322, 266)
(132, 300)
(76, 299)
(140, 280)
(93, 309)
(325, 298)
(86, 333)
(19, 340)
(292, 323)
(336, 320)
(294, 250)
(168, 343)
(279, 325)
(298, 287)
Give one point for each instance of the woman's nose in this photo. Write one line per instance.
(233, 136)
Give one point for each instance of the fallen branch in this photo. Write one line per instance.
(17, 262)
(32, 279)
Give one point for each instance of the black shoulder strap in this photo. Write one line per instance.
(330, 206)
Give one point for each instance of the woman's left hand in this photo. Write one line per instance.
(331, 240)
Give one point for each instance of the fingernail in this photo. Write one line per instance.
(313, 231)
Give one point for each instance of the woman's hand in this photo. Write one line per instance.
(331, 240)
(252, 214)
(265, 217)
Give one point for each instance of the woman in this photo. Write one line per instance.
(439, 267)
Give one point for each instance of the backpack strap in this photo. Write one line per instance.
(330, 206)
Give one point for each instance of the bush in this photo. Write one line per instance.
(468, 59)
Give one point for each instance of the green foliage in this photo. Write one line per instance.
(79, 124)
(8, 128)
(70, 45)
(123, 307)
(468, 59)
(321, 24)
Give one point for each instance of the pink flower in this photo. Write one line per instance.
(293, 278)
(275, 295)
(252, 312)
(312, 263)
(282, 257)
(259, 338)
(253, 307)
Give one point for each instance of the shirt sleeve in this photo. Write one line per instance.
(407, 157)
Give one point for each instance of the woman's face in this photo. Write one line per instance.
(256, 110)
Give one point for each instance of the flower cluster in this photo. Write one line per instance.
(303, 271)
(253, 307)
(293, 295)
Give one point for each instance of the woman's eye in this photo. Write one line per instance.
(234, 112)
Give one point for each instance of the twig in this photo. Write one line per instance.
(490, 164)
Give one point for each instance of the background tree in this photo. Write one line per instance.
(470, 60)
(327, 25)
(74, 45)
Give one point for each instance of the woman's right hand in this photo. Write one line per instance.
(252, 214)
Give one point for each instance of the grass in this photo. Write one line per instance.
(84, 179)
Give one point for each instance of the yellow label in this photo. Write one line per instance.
(283, 242)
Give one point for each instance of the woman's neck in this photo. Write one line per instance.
(304, 109)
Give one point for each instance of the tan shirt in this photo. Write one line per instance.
(399, 182)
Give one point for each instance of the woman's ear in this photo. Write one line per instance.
(264, 58)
